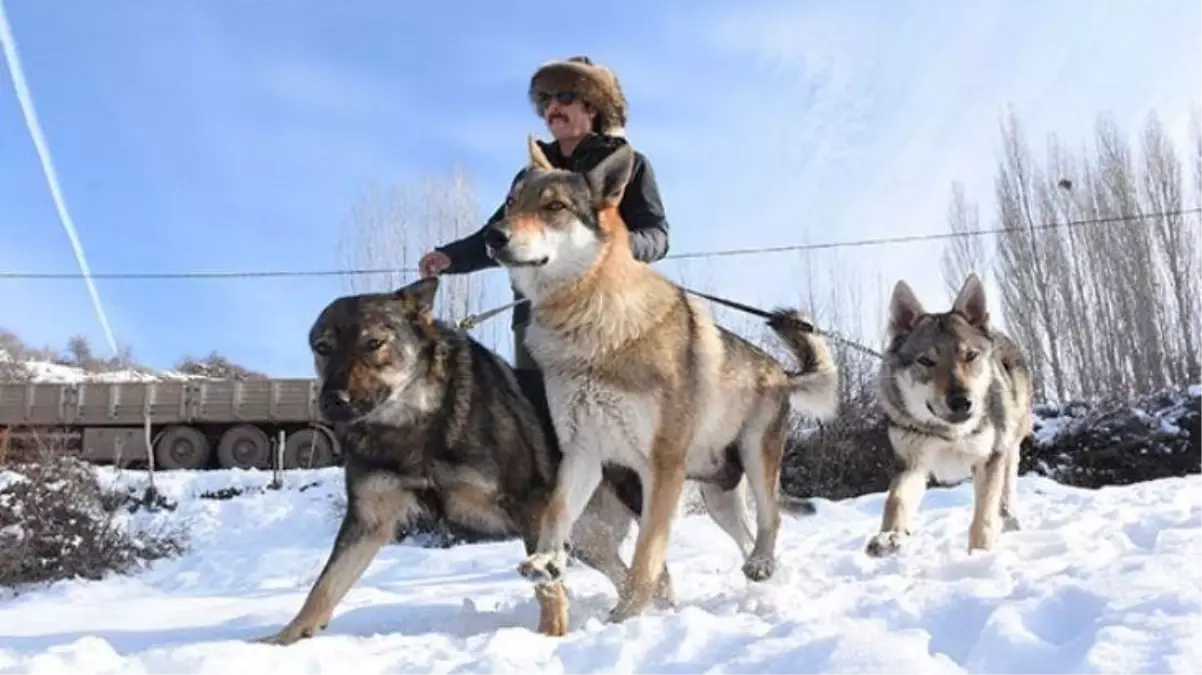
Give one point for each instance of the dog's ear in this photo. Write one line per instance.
(970, 302)
(418, 297)
(904, 309)
(607, 181)
(538, 159)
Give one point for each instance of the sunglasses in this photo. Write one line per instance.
(564, 97)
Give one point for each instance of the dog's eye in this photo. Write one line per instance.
(926, 362)
(556, 206)
(374, 344)
(323, 348)
(970, 356)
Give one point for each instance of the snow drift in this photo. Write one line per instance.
(1097, 581)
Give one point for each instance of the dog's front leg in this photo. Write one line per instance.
(988, 480)
(370, 523)
(579, 476)
(1009, 508)
(905, 494)
(662, 494)
(552, 608)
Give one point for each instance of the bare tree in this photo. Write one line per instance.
(1069, 261)
(1195, 231)
(388, 231)
(1108, 301)
(1174, 245)
(964, 253)
(1132, 255)
(1023, 257)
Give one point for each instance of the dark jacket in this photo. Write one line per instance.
(640, 208)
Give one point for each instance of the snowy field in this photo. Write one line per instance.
(1098, 581)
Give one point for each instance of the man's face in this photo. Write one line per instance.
(567, 116)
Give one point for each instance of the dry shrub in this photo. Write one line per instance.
(217, 367)
(57, 522)
(847, 457)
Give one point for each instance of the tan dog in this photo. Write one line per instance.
(639, 376)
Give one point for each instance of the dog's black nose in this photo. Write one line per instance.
(959, 403)
(335, 403)
(495, 239)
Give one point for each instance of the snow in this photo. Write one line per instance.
(1097, 581)
(50, 372)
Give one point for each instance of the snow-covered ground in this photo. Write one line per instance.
(1097, 581)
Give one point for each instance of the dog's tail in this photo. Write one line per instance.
(814, 389)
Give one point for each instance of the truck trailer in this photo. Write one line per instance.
(190, 423)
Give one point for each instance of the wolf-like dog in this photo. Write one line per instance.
(433, 423)
(957, 398)
(639, 376)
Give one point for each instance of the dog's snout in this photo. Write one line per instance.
(958, 402)
(335, 402)
(496, 239)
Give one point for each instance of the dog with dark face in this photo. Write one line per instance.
(434, 424)
(957, 397)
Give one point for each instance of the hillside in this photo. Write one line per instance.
(47, 371)
(76, 363)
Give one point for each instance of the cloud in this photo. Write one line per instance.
(243, 137)
(828, 123)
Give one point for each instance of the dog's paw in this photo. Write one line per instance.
(622, 611)
(885, 543)
(665, 596)
(285, 637)
(544, 567)
(759, 568)
(983, 536)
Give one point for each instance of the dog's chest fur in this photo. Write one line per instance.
(947, 452)
(596, 419)
(612, 407)
(948, 461)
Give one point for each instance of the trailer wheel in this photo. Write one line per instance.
(181, 447)
(297, 452)
(244, 447)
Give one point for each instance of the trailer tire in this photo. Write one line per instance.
(244, 447)
(181, 447)
(297, 449)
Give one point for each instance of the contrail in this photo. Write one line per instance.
(39, 142)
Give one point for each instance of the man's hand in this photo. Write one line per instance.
(432, 264)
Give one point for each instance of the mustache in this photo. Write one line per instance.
(554, 116)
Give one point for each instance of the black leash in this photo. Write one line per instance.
(755, 311)
(471, 321)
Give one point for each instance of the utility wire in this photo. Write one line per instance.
(672, 256)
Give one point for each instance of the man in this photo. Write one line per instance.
(585, 111)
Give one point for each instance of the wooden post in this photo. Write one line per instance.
(277, 478)
(152, 492)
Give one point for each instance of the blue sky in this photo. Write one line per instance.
(238, 134)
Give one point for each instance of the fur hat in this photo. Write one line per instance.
(593, 83)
